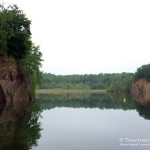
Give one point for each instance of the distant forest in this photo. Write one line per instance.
(115, 81)
(111, 82)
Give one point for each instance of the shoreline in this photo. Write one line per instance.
(65, 91)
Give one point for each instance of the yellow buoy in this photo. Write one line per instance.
(124, 100)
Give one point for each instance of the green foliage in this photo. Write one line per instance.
(31, 64)
(15, 41)
(115, 81)
(143, 72)
(14, 32)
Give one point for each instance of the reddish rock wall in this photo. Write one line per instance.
(141, 92)
(13, 86)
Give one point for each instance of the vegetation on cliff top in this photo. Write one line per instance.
(15, 42)
(143, 72)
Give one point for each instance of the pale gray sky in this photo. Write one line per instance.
(90, 36)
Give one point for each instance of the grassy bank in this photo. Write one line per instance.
(61, 91)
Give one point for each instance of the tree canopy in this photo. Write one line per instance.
(143, 72)
(15, 41)
(15, 35)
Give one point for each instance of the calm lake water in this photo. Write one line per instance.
(75, 122)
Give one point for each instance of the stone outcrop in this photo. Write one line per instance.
(15, 97)
(13, 85)
(141, 91)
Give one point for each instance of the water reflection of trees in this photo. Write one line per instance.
(122, 101)
(143, 111)
(102, 101)
(19, 126)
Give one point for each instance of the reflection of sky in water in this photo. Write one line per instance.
(73, 122)
(89, 129)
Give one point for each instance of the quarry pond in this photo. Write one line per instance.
(75, 121)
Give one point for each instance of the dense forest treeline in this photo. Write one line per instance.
(115, 81)
(112, 82)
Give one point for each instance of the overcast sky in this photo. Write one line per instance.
(90, 36)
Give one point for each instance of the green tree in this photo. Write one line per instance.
(31, 66)
(15, 37)
(143, 72)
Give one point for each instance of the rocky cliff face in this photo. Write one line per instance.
(141, 92)
(13, 85)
